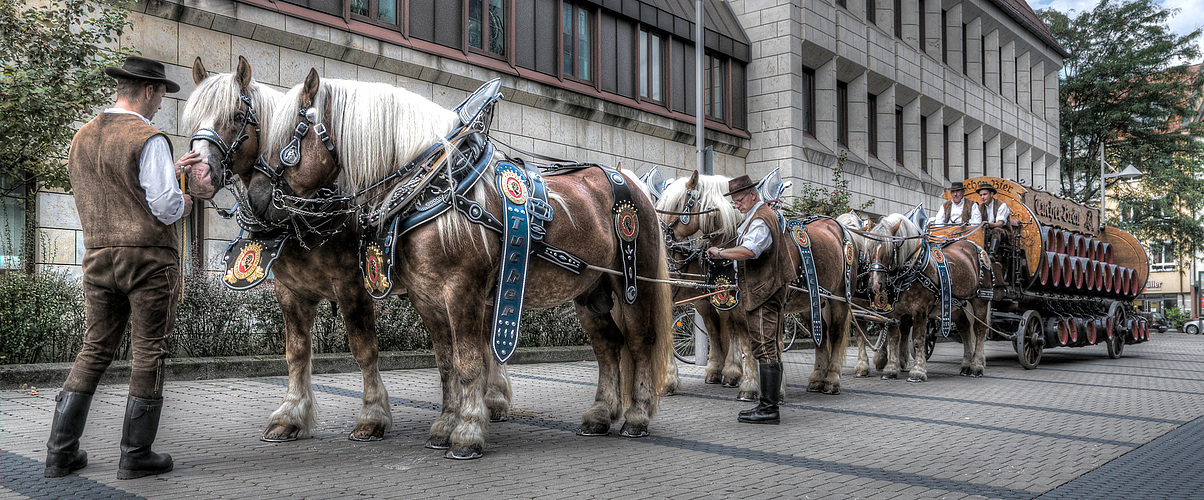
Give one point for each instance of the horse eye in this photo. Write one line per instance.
(238, 117)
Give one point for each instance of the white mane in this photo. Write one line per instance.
(852, 221)
(377, 128)
(898, 225)
(216, 98)
(710, 195)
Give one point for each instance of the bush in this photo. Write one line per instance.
(42, 320)
(1175, 317)
(41, 317)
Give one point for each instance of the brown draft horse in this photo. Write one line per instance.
(689, 234)
(897, 249)
(450, 265)
(235, 131)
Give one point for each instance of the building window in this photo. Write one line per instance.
(924, 143)
(982, 56)
(871, 12)
(12, 224)
(944, 36)
(487, 26)
(384, 11)
(899, 19)
(871, 119)
(966, 157)
(923, 26)
(651, 66)
(577, 34)
(842, 114)
(945, 138)
(965, 50)
(899, 135)
(715, 87)
(809, 101)
(1162, 256)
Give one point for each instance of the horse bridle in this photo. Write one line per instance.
(229, 150)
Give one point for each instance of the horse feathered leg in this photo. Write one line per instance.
(894, 334)
(375, 417)
(837, 340)
(750, 381)
(443, 342)
(498, 394)
(647, 336)
(606, 340)
(734, 366)
(717, 344)
(862, 368)
(295, 416)
(918, 348)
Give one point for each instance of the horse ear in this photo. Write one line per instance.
(693, 182)
(310, 90)
(895, 228)
(244, 73)
(199, 73)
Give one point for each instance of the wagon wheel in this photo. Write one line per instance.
(1116, 344)
(683, 336)
(790, 330)
(1030, 343)
(934, 328)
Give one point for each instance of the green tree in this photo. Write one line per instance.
(812, 199)
(51, 61)
(1125, 89)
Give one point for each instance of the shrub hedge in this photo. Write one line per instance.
(42, 321)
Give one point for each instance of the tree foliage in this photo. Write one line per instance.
(813, 199)
(1124, 88)
(52, 57)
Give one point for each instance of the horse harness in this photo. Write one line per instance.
(931, 252)
(808, 275)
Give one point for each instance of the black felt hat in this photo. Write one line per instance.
(957, 186)
(987, 186)
(141, 68)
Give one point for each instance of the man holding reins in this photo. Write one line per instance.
(956, 210)
(128, 197)
(765, 272)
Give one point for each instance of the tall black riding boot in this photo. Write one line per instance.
(766, 411)
(137, 436)
(63, 455)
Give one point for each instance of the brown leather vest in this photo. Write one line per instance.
(763, 276)
(988, 212)
(949, 212)
(103, 165)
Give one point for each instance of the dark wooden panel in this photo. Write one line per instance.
(422, 19)
(524, 34)
(626, 66)
(739, 97)
(449, 24)
(607, 73)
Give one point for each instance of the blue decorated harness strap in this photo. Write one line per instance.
(942, 271)
(627, 228)
(798, 232)
(516, 247)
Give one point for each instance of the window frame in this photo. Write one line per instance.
(899, 135)
(871, 101)
(708, 89)
(643, 34)
(842, 114)
(808, 89)
(486, 30)
(373, 6)
(592, 31)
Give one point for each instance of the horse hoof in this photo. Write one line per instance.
(833, 391)
(499, 417)
(731, 385)
(888, 376)
(438, 443)
(976, 374)
(670, 392)
(917, 379)
(366, 436)
(470, 452)
(633, 431)
(593, 430)
(861, 374)
(287, 434)
(747, 396)
(713, 380)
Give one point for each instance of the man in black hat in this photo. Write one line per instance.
(955, 210)
(995, 215)
(127, 197)
(765, 272)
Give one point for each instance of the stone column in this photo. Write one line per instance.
(976, 162)
(991, 154)
(991, 61)
(1007, 73)
(974, 51)
(1024, 82)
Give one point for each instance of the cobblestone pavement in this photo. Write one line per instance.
(1079, 426)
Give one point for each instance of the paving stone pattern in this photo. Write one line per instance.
(1080, 426)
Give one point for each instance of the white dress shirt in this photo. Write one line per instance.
(955, 217)
(1002, 212)
(754, 233)
(157, 175)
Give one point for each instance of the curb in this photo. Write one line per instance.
(53, 374)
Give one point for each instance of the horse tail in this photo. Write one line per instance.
(662, 326)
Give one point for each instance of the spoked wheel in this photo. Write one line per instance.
(1031, 343)
(929, 347)
(683, 336)
(791, 328)
(1116, 344)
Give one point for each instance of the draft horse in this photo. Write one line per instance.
(904, 280)
(230, 115)
(450, 265)
(712, 221)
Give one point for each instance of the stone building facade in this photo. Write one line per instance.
(789, 84)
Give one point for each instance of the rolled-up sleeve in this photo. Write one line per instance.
(756, 238)
(157, 175)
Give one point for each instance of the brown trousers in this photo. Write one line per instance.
(765, 329)
(121, 284)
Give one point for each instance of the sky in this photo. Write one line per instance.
(1189, 17)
